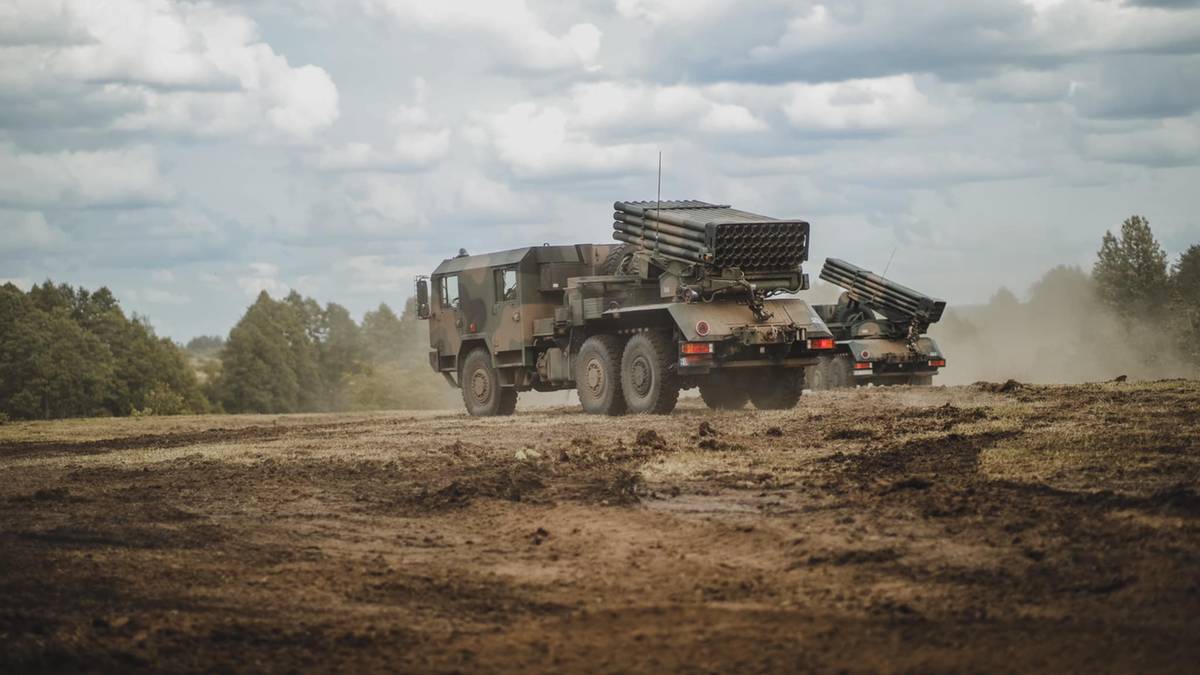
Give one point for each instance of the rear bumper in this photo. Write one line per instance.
(884, 372)
(695, 366)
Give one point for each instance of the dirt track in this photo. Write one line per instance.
(944, 529)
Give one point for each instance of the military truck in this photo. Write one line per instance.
(683, 301)
(879, 327)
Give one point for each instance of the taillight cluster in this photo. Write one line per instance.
(820, 343)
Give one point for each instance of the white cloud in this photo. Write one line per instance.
(673, 11)
(1171, 142)
(879, 104)
(613, 105)
(509, 29)
(159, 296)
(600, 128)
(185, 68)
(730, 118)
(82, 178)
(539, 142)
(263, 276)
(1023, 86)
(27, 231)
(378, 273)
(22, 283)
(417, 142)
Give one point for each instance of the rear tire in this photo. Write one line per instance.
(648, 377)
(820, 376)
(840, 371)
(723, 392)
(779, 390)
(598, 375)
(481, 391)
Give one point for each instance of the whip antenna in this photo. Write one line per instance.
(888, 266)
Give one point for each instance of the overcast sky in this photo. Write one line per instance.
(188, 155)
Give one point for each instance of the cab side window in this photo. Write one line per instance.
(506, 284)
(449, 292)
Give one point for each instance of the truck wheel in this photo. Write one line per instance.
(724, 393)
(648, 377)
(779, 390)
(618, 260)
(598, 375)
(840, 370)
(481, 390)
(819, 377)
(920, 380)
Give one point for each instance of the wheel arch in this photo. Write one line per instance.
(470, 344)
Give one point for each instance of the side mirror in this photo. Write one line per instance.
(422, 298)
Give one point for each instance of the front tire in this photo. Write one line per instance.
(648, 377)
(481, 391)
(779, 390)
(598, 375)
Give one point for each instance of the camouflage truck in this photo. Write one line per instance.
(879, 327)
(629, 325)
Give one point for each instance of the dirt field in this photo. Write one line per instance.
(976, 528)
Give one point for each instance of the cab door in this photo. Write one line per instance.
(445, 320)
(506, 310)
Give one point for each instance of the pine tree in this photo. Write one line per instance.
(256, 370)
(341, 354)
(1131, 271)
(1185, 304)
(383, 335)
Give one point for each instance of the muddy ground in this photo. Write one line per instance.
(979, 528)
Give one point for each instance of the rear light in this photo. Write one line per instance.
(696, 348)
(938, 363)
(820, 343)
(862, 366)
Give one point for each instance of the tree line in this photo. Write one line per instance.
(68, 352)
(293, 355)
(1136, 313)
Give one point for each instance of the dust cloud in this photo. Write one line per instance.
(1062, 333)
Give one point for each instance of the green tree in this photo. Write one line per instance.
(1185, 276)
(340, 354)
(69, 352)
(257, 373)
(1185, 304)
(383, 335)
(1131, 271)
(49, 366)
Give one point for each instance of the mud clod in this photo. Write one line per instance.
(1006, 387)
(649, 438)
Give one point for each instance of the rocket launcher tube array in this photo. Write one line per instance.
(867, 287)
(721, 236)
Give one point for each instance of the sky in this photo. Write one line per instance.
(189, 155)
